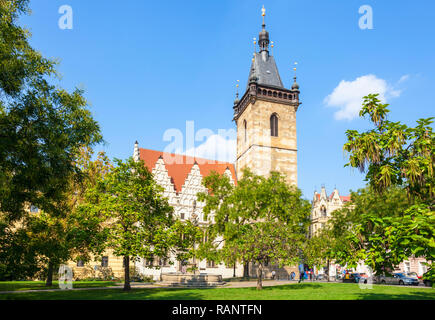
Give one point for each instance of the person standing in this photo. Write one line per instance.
(301, 273)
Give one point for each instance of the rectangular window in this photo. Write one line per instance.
(211, 264)
(34, 209)
(149, 262)
(80, 263)
(105, 261)
(163, 262)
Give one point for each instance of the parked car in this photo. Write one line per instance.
(413, 275)
(357, 276)
(426, 281)
(321, 277)
(348, 277)
(400, 279)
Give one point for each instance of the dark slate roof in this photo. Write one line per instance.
(266, 70)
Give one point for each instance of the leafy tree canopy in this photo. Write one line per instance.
(42, 127)
(260, 220)
(384, 226)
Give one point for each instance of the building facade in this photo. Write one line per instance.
(322, 208)
(181, 178)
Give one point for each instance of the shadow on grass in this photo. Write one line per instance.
(402, 296)
(293, 286)
(109, 294)
(40, 285)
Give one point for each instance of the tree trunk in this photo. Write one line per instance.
(234, 270)
(260, 276)
(328, 271)
(127, 286)
(50, 269)
(246, 270)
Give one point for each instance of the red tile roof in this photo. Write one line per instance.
(179, 166)
(345, 198)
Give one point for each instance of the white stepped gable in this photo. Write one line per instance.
(192, 185)
(162, 178)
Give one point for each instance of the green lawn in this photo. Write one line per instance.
(40, 285)
(304, 291)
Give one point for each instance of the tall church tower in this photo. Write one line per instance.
(266, 118)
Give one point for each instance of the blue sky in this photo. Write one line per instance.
(150, 66)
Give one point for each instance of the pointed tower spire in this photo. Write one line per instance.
(323, 192)
(236, 101)
(136, 154)
(263, 65)
(253, 78)
(295, 85)
(263, 39)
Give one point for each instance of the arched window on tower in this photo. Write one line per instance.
(274, 125)
(246, 129)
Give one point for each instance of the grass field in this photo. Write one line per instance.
(40, 285)
(305, 291)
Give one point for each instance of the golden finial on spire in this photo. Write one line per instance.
(295, 85)
(263, 13)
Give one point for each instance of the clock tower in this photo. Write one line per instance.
(266, 118)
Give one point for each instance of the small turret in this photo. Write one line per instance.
(136, 154)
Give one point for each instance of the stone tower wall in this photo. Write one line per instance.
(261, 152)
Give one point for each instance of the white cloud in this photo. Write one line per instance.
(216, 147)
(403, 78)
(347, 96)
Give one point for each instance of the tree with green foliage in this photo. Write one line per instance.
(393, 154)
(260, 220)
(42, 127)
(40, 242)
(138, 219)
(360, 231)
(318, 249)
